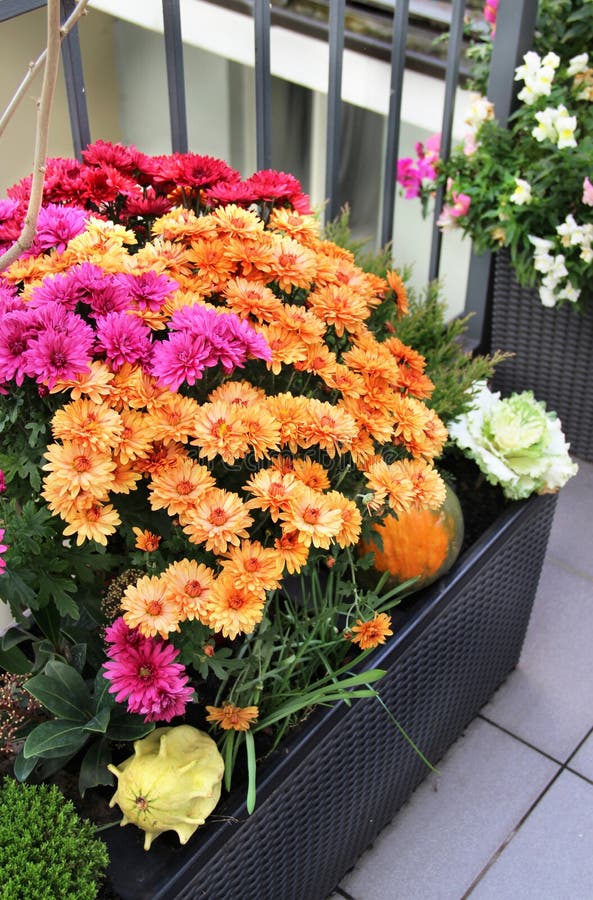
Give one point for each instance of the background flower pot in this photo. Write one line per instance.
(326, 795)
(553, 351)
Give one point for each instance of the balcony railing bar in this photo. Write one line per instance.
(451, 81)
(398, 62)
(74, 79)
(175, 75)
(334, 108)
(263, 84)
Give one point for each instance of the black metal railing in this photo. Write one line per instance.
(515, 28)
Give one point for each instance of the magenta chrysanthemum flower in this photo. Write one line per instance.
(7, 209)
(150, 205)
(3, 549)
(195, 171)
(117, 155)
(121, 637)
(59, 353)
(149, 680)
(103, 184)
(181, 358)
(123, 338)
(239, 192)
(56, 225)
(148, 290)
(15, 331)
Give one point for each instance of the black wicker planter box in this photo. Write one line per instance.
(553, 354)
(347, 771)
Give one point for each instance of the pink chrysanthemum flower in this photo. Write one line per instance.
(3, 549)
(121, 638)
(56, 225)
(15, 331)
(100, 290)
(119, 156)
(59, 353)
(148, 290)
(148, 678)
(181, 358)
(123, 338)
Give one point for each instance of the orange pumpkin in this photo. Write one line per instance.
(422, 543)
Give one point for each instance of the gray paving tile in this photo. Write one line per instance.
(582, 761)
(547, 700)
(570, 539)
(444, 836)
(551, 856)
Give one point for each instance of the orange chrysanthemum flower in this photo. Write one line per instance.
(286, 346)
(315, 516)
(160, 457)
(292, 550)
(148, 607)
(95, 383)
(391, 483)
(179, 487)
(311, 473)
(292, 264)
(218, 431)
(371, 633)
(429, 488)
(188, 584)
(261, 431)
(165, 258)
(125, 477)
(219, 519)
(340, 306)
(146, 540)
(305, 229)
(318, 361)
(173, 419)
(329, 427)
(251, 299)
(253, 565)
(349, 532)
(238, 222)
(252, 259)
(229, 717)
(88, 423)
(89, 519)
(135, 439)
(291, 413)
(405, 356)
(76, 468)
(211, 260)
(180, 224)
(398, 287)
(238, 393)
(343, 379)
(271, 490)
(302, 322)
(233, 609)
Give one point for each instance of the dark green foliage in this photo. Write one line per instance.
(47, 852)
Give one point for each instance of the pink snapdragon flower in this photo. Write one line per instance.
(413, 173)
(3, 549)
(2, 482)
(587, 192)
(143, 672)
(452, 212)
(490, 13)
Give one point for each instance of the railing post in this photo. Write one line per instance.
(75, 90)
(398, 62)
(515, 27)
(175, 75)
(263, 84)
(334, 107)
(451, 78)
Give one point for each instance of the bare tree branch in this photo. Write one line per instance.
(50, 75)
(34, 67)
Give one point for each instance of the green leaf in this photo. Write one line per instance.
(62, 690)
(48, 620)
(100, 721)
(55, 739)
(126, 727)
(23, 767)
(15, 661)
(12, 637)
(251, 772)
(93, 767)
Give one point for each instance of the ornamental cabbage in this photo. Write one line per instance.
(515, 442)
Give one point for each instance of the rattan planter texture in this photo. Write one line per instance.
(553, 354)
(345, 774)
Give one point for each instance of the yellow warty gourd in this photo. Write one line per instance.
(171, 783)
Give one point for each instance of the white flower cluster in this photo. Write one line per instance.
(554, 270)
(556, 125)
(538, 75)
(574, 235)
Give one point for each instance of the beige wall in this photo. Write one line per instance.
(21, 41)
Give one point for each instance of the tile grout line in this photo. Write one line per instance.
(499, 851)
(526, 743)
(557, 561)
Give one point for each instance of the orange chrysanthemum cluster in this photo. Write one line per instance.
(257, 451)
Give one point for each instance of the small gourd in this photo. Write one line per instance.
(420, 543)
(171, 783)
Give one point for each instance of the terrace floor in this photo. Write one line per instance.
(510, 814)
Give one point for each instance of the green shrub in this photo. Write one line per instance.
(47, 852)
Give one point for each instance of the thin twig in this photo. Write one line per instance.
(50, 75)
(34, 67)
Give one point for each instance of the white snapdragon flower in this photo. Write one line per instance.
(542, 261)
(557, 126)
(586, 253)
(566, 127)
(551, 60)
(522, 193)
(538, 75)
(569, 293)
(546, 127)
(557, 271)
(570, 232)
(577, 64)
(480, 110)
(547, 296)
